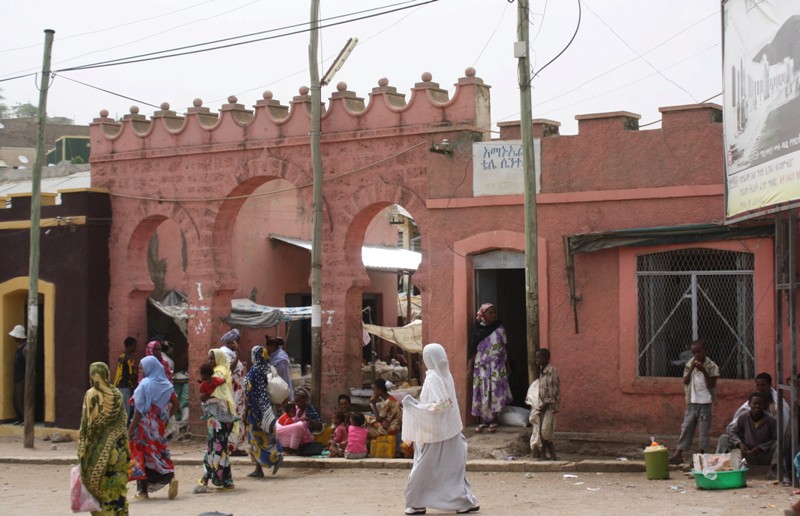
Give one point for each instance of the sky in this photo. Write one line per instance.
(627, 55)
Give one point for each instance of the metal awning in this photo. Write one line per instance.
(659, 235)
(378, 258)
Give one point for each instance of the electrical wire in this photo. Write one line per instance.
(637, 53)
(701, 102)
(577, 27)
(153, 56)
(107, 91)
(491, 37)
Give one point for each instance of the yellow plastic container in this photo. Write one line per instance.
(383, 447)
(656, 462)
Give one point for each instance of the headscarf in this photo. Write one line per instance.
(103, 424)
(149, 352)
(222, 370)
(302, 392)
(230, 336)
(481, 330)
(436, 416)
(154, 389)
(258, 400)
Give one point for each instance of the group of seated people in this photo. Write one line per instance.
(754, 427)
(352, 432)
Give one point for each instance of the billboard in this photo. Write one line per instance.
(761, 113)
(497, 167)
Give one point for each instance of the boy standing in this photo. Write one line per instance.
(126, 379)
(700, 390)
(544, 397)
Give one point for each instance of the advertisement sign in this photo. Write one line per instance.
(761, 113)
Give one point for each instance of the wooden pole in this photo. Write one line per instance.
(33, 264)
(316, 221)
(531, 231)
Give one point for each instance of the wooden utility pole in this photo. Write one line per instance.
(522, 51)
(316, 221)
(33, 265)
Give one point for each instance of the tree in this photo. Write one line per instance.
(26, 110)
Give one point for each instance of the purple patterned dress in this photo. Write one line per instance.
(490, 389)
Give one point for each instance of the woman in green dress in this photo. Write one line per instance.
(103, 446)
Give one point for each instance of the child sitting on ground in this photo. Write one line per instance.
(356, 437)
(289, 413)
(338, 440)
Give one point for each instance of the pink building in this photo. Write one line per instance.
(196, 198)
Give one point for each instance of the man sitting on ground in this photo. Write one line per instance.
(755, 433)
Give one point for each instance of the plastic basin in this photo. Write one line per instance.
(725, 479)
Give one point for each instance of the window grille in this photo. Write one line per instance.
(695, 293)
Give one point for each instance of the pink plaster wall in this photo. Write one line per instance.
(197, 171)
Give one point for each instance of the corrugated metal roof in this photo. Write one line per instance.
(374, 257)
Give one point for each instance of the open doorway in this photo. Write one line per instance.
(500, 280)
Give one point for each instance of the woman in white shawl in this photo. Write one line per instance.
(438, 477)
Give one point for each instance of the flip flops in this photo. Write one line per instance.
(173, 489)
(493, 428)
(480, 428)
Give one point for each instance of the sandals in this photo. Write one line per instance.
(173, 489)
(256, 474)
(493, 428)
(471, 509)
(415, 510)
(277, 464)
(480, 428)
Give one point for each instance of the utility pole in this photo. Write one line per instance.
(33, 265)
(522, 52)
(316, 221)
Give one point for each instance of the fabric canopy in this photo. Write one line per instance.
(408, 337)
(252, 315)
(175, 306)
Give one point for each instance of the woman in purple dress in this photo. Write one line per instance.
(490, 389)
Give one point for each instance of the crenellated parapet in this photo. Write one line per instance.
(429, 106)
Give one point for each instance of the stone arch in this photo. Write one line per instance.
(139, 241)
(257, 173)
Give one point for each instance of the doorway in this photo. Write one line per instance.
(500, 280)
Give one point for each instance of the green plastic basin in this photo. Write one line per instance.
(724, 480)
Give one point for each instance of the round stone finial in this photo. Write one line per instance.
(426, 77)
(267, 95)
(165, 106)
(198, 102)
(383, 82)
(134, 110)
(103, 113)
(303, 90)
(341, 86)
(469, 72)
(232, 99)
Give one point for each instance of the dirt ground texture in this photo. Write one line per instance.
(34, 489)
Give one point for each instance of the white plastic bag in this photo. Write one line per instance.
(514, 416)
(81, 500)
(276, 387)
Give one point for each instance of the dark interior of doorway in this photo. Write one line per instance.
(298, 336)
(505, 288)
(160, 324)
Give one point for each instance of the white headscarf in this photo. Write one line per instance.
(435, 417)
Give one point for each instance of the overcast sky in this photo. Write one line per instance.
(631, 55)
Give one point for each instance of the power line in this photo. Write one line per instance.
(637, 53)
(577, 27)
(153, 56)
(107, 91)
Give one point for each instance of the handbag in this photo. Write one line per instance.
(277, 387)
(81, 500)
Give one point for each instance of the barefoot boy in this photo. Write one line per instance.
(544, 398)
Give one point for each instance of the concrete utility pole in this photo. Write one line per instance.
(33, 265)
(316, 221)
(522, 51)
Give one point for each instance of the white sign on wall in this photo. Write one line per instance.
(497, 168)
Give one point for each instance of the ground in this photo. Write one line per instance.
(42, 489)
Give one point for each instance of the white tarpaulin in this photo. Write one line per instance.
(408, 337)
(252, 315)
(175, 306)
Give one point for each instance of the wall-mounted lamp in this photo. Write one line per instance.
(445, 147)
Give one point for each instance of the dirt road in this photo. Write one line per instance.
(43, 490)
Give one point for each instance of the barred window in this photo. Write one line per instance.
(695, 293)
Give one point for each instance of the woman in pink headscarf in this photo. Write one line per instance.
(487, 355)
(154, 349)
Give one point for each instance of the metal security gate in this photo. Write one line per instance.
(692, 294)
